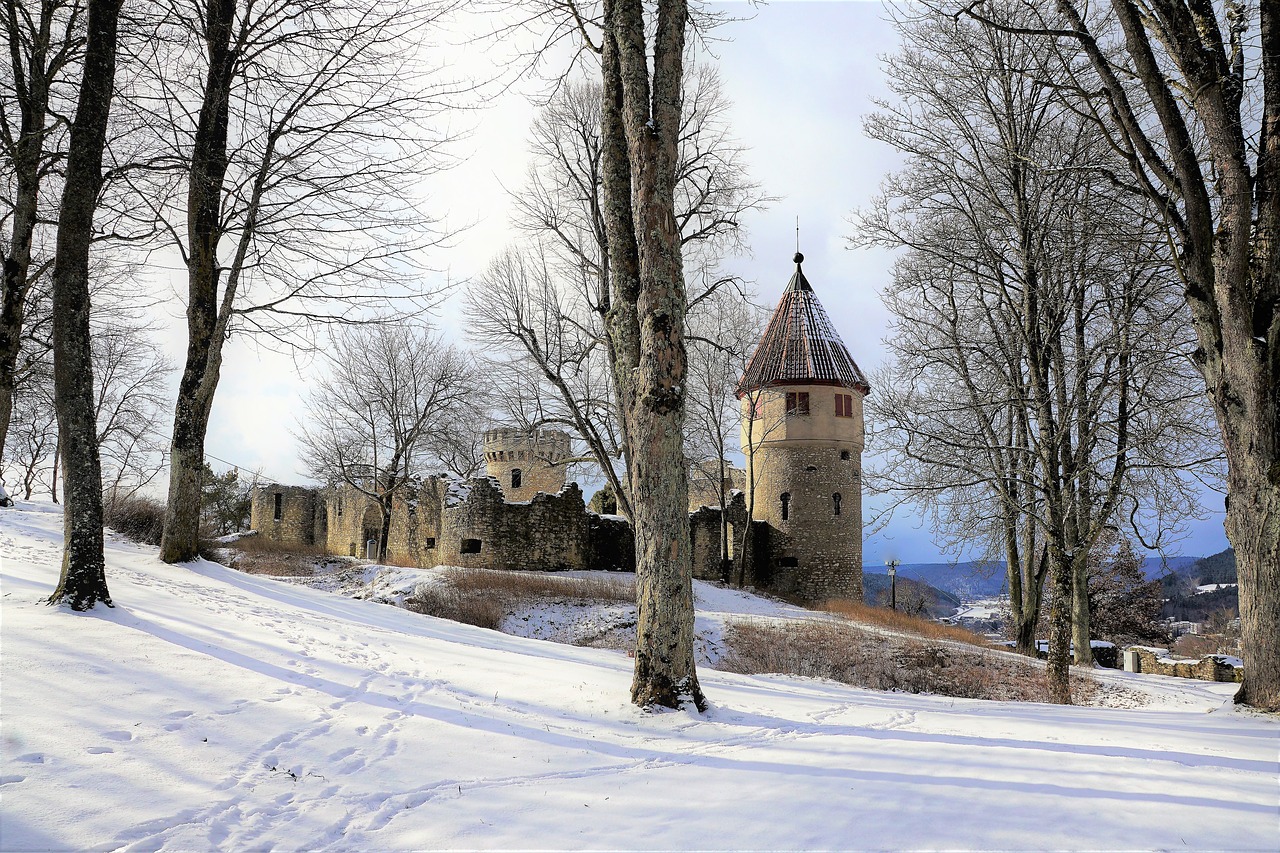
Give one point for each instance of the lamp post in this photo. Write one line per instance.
(892, 566)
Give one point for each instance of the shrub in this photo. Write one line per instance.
(467, 606)
(135, 517)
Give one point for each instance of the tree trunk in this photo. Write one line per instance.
(83, 582)
(206, 325)
(640, 130)
(1080, 627)
(1060, 631)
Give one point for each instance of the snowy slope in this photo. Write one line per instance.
(217, 710)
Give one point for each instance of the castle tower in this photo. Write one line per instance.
(525, 462)
(802, 434)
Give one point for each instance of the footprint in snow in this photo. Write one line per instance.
(118, 736)
(99, 750)
(11, 780)
(32, 758)
(178, 715)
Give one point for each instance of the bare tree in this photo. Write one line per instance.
(45, 42)
(83, 581)
(521, 309)
(545, 303)
(370, 422)
(301, 129)
(1192, 106)
(1040, 370)
(721, 340)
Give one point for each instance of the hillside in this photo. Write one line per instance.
(211, 709)
(980, 579)
(936, 602)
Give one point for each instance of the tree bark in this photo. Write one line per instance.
(206, 325)
(83, 582)
(640, 128)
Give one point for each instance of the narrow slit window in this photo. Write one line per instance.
(516, 478)
(786, 505)
(279, 511)
(835, 503)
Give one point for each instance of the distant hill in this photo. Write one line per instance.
(970, 579)
(1217, 568)
(937, 602)
(979, 579)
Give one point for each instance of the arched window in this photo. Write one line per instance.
(786, 505)
(516, 478)
(835, 502)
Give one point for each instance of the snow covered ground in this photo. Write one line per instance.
(216, 710)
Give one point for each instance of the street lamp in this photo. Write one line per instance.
(892, 566)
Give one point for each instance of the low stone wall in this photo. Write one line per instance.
(612, 545)
(1210, 668)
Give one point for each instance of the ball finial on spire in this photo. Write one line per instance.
(799, 258)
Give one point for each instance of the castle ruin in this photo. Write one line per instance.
(802, 437)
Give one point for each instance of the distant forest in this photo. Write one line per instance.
(1179, 588)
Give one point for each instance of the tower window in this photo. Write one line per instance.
(835, 503)
(788, 562)
(516, 478)
(429, 542)
(469, 546)
(844, 456)
(797, 402)
(786, 505)
(339, 507)
(844, 405)
(279, 511)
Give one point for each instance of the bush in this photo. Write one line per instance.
(135, 517)
(468, 607)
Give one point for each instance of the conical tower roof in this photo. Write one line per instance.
(800, 346)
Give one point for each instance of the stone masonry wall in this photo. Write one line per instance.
(1206, 669)
(549, 533)
(296, 523)
(539, 456)
(815, 552)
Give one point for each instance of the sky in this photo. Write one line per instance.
(802, 76)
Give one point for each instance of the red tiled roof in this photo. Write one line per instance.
(800, 346)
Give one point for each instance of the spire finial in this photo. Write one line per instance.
(797, 236)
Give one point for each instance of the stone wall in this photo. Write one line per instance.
(612, 546)
(703, 480)
(285, 514)
(482, 530)
(525, 462)
(1211, 668)
(807, 475)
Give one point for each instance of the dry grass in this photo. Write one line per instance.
(136, 517)
(258, 555)
(520, 586)
(482, 597)
(862, 658)
(896, 620)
